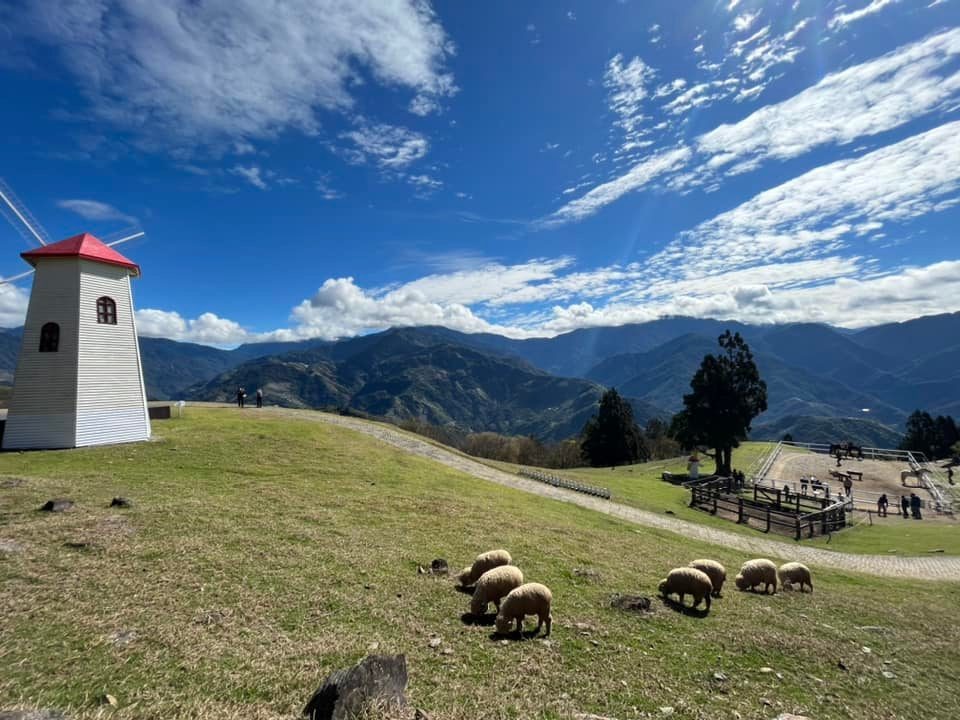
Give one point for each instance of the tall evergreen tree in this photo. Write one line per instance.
(934, 437)
(612, 437)
(727, 394)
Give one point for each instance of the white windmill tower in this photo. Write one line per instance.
(78, 380)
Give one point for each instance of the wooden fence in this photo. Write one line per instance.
(769, 509)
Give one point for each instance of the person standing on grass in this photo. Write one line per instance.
(905, 505)
(915, 506)
(693, 467)
(882, 506)
(241, 394)
(259, 397)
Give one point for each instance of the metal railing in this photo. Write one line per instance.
(557, 481)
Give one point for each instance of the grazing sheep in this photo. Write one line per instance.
(715, 571)
(757, 572)
(493, 585)
(687, 581)
(485, 561)
(795, 573)
(529, 599)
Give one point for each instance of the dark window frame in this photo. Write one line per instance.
(50, 337)
(106, 311)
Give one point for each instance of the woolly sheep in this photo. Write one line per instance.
(485, 561)
(715, 571)
(795, 573)
(687, 581)
(529, 599)
(757, 572)
(493, 585)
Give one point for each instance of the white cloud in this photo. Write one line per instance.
(13, 304)
(842, 19)
(817, 212)
(326, 189)
(639, 176)
(189, 72)
(863, 100)
(744, 22)
(628, 86)
(95, 210)
(342, 309)
(206, 329)
(388, 146)
(252, 174)
(424, 184)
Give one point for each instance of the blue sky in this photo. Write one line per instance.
(324, 169)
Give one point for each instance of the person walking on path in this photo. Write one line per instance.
(915, 506)
(905, 505)
(240, 396)
(259, 397)
(882, 506)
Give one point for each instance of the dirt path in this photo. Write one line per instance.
(924, 568)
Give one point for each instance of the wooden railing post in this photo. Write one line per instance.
(739, 510)
(768, 520)
(715, 496)
(798, 529)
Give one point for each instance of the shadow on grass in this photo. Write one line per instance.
(468, 590)
(482, 620)
(679, 607)
(515, 636)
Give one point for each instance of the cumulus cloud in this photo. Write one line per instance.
(189, 72)
(206, 329)
(13, 305)
(94, 210)
(342, 309)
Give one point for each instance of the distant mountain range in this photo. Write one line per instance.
(823, 382)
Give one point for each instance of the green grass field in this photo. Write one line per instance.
(261, 553)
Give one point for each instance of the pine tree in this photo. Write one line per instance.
(727, 394)
(612, 437)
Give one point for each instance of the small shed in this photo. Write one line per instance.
(78, 380)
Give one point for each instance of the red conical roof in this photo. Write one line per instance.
(84, 246)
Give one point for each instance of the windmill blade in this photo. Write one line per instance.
(134, 236)
(14, 278)
(18, 215)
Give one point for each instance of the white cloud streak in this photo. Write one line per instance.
(94, 210)
(861, 101)
(189, 72)
(842, 19)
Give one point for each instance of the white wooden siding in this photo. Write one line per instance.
(111, 402)
(44, 401)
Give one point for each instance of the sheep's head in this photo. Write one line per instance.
(465, 576)
(741, 582)
(661, 588)
(503, 624)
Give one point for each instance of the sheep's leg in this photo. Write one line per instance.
(520, 626)
(496, 604)
(681, 598)
(549, 624)
(708, 601)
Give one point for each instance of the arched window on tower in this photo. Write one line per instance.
(106, 311)
(50, 337)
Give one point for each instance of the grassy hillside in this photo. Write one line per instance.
(262, 553)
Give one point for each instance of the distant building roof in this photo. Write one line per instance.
(84, 246)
